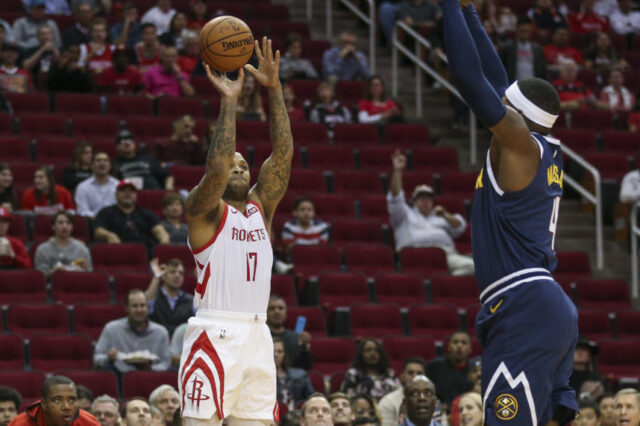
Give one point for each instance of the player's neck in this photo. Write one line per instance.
(238, 205)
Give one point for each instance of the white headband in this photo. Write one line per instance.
(528, 108)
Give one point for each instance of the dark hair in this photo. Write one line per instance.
(10, 394)
(147, 25)
(123, 410)
(383, 363)
(291, 38)
(128, 6)
(456, 333)
(368, 88)
(285, 360)
(606, 395)
(52, 195)
(523, 20)
(64, 213)
(77, 152)
(173, 19)
(174, 262)
(84, 393)
(10, 194)
(98, 21)
(587, 403)
(53, 381)
(313, 395)
(170, 198)
(96, 153)
(129, 293)
(275, 297)
(413, 360)
(301, 200)
(543, 95)
(337, 395)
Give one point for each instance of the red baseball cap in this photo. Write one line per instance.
(4, 213)
(126, 183)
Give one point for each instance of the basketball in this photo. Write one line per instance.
(226, 43)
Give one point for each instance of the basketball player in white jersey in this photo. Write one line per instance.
(227, 368)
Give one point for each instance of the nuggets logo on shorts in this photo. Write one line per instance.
(506, 406)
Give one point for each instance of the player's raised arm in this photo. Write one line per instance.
(274, 175)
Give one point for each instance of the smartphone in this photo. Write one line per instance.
(301, 322)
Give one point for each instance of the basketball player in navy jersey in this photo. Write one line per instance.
(527, 325)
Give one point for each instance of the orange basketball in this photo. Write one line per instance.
(226, 43)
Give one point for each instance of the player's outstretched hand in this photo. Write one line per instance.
(398, 160)
(227, 88)
(268, 64)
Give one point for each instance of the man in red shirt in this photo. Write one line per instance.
(12, 78)
(121, 78)
(13, 253)
(573, 93)
(587, 21)
(559, 50)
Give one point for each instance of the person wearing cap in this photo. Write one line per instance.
(13, 79)
(13, 253)
(125, 222)
(390, 404)
(423, 224)
(140, 168)
(585, 378)
(25, 29)
(120, 78)
(420, 400)
(80, 32)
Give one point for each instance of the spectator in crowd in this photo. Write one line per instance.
(40, 58)
(13, 253)
(630, 186)
(316, 411)
(449, 372)
(166, 399)
(148, 50)
(56, 7)
(58, 406)
(177, 339)
(573, 93)
(13, 79)
(474, 374)
(10, 400)
(606, 7)
(297, 346)
(172, 209)
(305, 229)
(588, 413)
(128, 31)
(183, 147)
(471, 409)
(601, 56)
(160, 15)
(423, 224)
(25, 29)
(140, 168)
(7, 191)
(105, 409)
(376, 107)
(80, 167)
(79, 33)
(8, 34)
(522, 57)
(99, 190)
(85, 397)
(45, 197)
(626, 21)
(62, 252)
(124, 222)
(585, 378)
(390, 404)
(250, 101)
(3, 34)
(157, 419)
(295, 113)
(97, 55)
(343, 61)
(616, 95)
(364, 410)
(136, 412)
(558, 51)
(191, 55)
(587, 20)
(327, 109)
(420, 401)
(174, 36)
(292, 64)
(421, 14)
(120, 78)
(370, 373)
(634, 120)
(607, 407)
(199, 15)
(627, 403)
(546, 18)
(506, 22)
(67, 76)
(168, 304)
(133, 342)
(340, 409)
(166, 78)
(294, 385)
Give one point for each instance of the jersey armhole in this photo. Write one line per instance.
(264, 219)
(215, 235)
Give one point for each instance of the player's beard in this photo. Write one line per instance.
(236, 191)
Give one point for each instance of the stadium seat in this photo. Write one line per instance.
(356, 135)
(72, 103)
(399, 348)
(434, 159)
(342, 289)
(29, 103)
(623, 142)
(307, 181)
(95, 126)
(580, 140)
(471, 314)
(596, 119)
(306, 90)
(269, 12)
(572, 266)
(145, 129)
(594, 324)
(627, 324)
(28, 383)
(54, 150)
(374, 207)
(14, 149)
(317, 381)
(603, 294)
(124, 282)
(349, 92)
(332, 354)
(100, 382)
(400, 289)
(52, 352)
(316, 323)
(425, 261)
(619, 358)
(458, 291)
(357, 183)
(312, 260)
(375, 320)
(252, 133)
(412, 179)
(151, 199)
(283, 29)
(186, 177)
(172, 108)
(438, 321)
(18, 227)
(12, 354)
(452, 204)
(73, 287)
(42, 227)
(458, 184)
(262, 151)
(227, 8)
(305, 134)
(406, 135)
(165, 252)
(376, 158)
(204, 88)
(369, 259)
(348, 231)
(127, 106)
(135, 383)
(90, 318)
(336, 380)
(112, 258)
(327, 157)
(283, 286)
(35, 125)
(26, 285)
(30, 319)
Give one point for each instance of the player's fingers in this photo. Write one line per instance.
(209, 73)
(264, 46)
(277, 59)
(269, 51)
(241, 75)
(256, 47)
(250, 68)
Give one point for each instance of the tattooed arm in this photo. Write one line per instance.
(274, 175)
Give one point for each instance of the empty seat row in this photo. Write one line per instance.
(609, 141)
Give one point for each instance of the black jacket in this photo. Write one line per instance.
(509, 56)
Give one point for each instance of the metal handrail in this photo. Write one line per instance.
(369, 20)
(397, 46)
(635, 233)
(595, 198)
(309, 10)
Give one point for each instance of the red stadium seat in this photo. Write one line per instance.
(336, 380)
(29, 103)
(42, 227)
(283, 286)
(312, 260)
(356, 135)
(341, 289)
(136, 383)
(186, 177)
(283, 29)
(327, 157)
(435, 159)
(22, 286)
(149, 128)
(350, 92)
(34, 125)
(619, 358)
(594, 324)
(603, 294)
(6, 125)
(374, 207)
(124, 282)
(52, 352)
(12, 354)
(112, 258)
(376, 158)
(151, 199)
(401, 289)
(348, 231)
(90, 318)
(627, 324)
(269, 12)
(74, 287)
(13, 149)
(458, 291)
(572, 266)
(452, 204)
(332, 354)
(458, 184)
(262, 151)
(317, 381)
(307, 181)
(305, 90)
(425, 261)
(471, 313)
(54, 150)
(596, 119)
(71, 103)
(100, 382)
(165, 252)
(407, 135)
(309, 133)
(95, 126)
(30, 319)
(399, 348)
(205, 89)
(622, 142)
(375, 320)
(369, 259)
(172, 108)
(28, 383)
(438, 322)
(252, 133)
(412, 179)
(357, 183)
(316, 323)
(18, 227)
(126, 106)
(580, 140)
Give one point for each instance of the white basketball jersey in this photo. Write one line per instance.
(234, 268)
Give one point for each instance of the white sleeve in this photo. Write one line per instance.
(630, 187)
(458, 230)
(398, 209)
(365, 117)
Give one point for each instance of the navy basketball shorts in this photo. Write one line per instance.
(528, 334)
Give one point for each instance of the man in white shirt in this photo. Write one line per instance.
(625, 21)
(422, 224)
(390, 404)
(160, 15)
(630, 187)
(99, 190)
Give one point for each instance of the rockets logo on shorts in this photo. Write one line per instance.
(196, 395)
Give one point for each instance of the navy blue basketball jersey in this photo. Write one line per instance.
(512, 231)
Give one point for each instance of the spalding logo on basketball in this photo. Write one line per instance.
(226, 43)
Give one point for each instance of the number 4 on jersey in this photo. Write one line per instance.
(553, 224)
